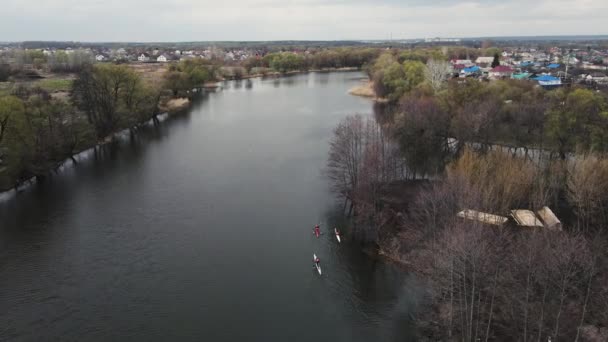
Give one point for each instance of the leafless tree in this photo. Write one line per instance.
(437, 73)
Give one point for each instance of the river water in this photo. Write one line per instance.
(201, 229)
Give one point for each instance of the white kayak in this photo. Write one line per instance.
(337, 235)
(314, 257)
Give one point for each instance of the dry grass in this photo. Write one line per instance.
(364, 90)
(175, 105)
(150, 72)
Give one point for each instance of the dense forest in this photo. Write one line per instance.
(441, 146)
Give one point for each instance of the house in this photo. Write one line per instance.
(500, 71)
(144, 57)
(550, 221)
(526, 64)
(465, 62)
(482, 217)
(470, 71)
(597, 77)
(526, 218)
(521, 76)
(100, 58)
(161, 58)
(484, 61)
(177, 52)
(548, 81)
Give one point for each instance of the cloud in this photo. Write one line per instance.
(195, 20)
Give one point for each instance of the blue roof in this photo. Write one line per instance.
(471, 69)
(525, 64)
(553, 66)
(546, 78)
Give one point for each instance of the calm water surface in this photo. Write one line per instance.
(200, 229)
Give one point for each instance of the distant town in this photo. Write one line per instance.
(551, 63)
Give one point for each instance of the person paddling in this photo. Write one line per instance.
(317, 262)
(317, 230)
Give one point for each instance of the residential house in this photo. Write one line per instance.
(484, 61)
(521, 76)
(161, 58)
(470, 71)
(100, 58)
(526, 218)
(597, 77)
(144, 57)
(501, 71)
(485, 218)
(548, 81)
(465, 62)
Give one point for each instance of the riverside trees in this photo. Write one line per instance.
(113, 97)
(38, 131)
(494, 147)
(37, 134)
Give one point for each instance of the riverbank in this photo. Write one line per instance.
(168, 105)
(366, 89)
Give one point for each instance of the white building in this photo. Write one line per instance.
(100, 58)
(484, 60)
(161, 59)
(143, 57)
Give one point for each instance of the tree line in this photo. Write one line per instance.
(38, 131)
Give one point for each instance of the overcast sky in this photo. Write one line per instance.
(198, 20)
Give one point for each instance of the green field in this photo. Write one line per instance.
(53, 84)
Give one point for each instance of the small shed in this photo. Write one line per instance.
(549, 219)
(526, 218)
(482, 217)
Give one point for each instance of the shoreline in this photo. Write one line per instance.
(171, 107)
(366, 90)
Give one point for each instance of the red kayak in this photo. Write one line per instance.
(317, 231)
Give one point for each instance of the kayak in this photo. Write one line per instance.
(316, 232)
(314, 257)
(337, 235)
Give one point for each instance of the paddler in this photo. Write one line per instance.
(317, 230)
(317, 261)
(337, 231)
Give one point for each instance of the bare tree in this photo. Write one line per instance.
(437, 73)
(587, 186)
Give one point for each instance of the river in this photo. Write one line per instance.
(200, 229)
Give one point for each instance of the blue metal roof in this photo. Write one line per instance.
(553, 66)
(546, 78)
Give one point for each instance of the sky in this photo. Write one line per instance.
(247, 20)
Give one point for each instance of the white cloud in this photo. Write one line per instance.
(191, 20)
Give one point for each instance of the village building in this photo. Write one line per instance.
(526, 218)
(484, 61)
(482, 217)
(161, 58)
(144, 57)
(548, 81)
(501, 71)
(470, 71)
